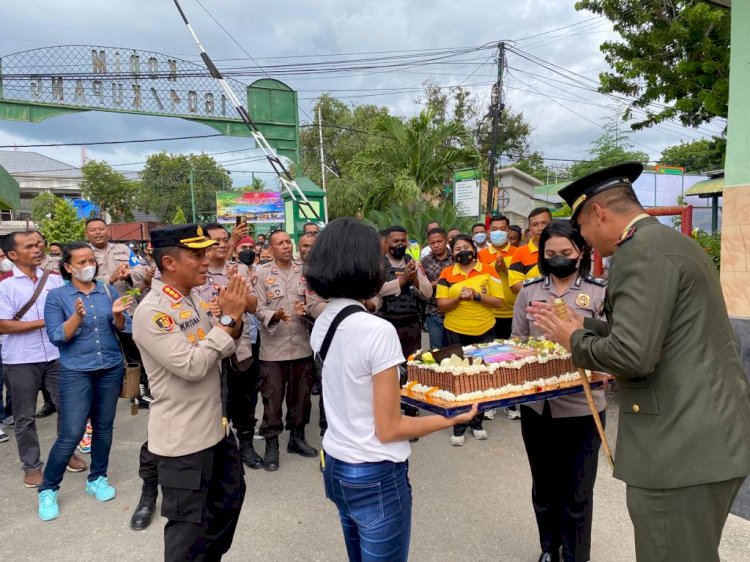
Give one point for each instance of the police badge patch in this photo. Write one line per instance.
(583, 300)
(163, 321)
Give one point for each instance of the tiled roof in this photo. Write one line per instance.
(17, 162)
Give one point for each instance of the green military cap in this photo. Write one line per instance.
(181, 235)
(576, 193)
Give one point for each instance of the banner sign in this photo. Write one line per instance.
(259, 207)
(466, 190)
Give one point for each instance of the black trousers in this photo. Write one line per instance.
(202, 495)
(464, 339)
(503, 328)
(242, 399)
(290, 380)
(563, 455)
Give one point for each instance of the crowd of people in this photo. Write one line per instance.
(219, 321)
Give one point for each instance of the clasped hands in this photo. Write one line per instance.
(555, 328)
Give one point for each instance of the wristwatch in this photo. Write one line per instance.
(227, 321)
(478, 297)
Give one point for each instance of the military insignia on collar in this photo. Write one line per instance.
(583, 300)
(172, 293)
(626, 236)
(185, 314)
(163, 321)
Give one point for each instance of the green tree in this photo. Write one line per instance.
(255, 185)
(672, 56)
(612, 147)
(63, 225)
(43, 206)
(179, 217)
(697, 156)
(166, 185)
(110, 190)
(415, 157)
(416, 215)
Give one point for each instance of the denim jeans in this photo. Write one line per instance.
(374, 503)
(434, 324)
(84, 394)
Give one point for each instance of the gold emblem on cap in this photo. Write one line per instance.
(578, 202)
(583, 300)
(199, 230)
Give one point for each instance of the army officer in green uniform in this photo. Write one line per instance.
(683, 445)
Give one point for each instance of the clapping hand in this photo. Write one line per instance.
(214, 308)
(232, 298)
(466, 294)
(555, 328)
(300, 308)
(122, 272)
(80, 308)
(282, 315)
(121, 305)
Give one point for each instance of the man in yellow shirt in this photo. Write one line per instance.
(499, 254)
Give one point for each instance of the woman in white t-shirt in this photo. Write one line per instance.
(367, 442)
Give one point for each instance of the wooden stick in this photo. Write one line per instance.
(562, 312)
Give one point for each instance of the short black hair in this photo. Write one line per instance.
(473, 226)
(538, 211)
(9, 240)
(395, 228)
(160, 253)
(437, 230)
(89, 220)
(564, 229)
(213, 226)
(315, 224)
(305, 235)
(383, 232)
(516, 228)
(346, 262)
(498, 218)
(465, 238)
(270, 236)
(56, 244)
(67, 254)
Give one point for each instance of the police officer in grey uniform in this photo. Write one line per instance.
(199, 467)
(562, 443)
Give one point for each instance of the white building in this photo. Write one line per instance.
(517, 195)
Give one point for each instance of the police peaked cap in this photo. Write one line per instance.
(182, 236)
(576, 193)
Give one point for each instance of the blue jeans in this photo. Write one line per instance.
(374, 503)
(84, 394)
(435, 328)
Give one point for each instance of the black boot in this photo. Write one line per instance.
(145, 398)
(146, 506)
(248, 454)
(271, 460)
(298, 444)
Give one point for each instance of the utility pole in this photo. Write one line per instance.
(322, 166)
(496, 109)
(192, 193)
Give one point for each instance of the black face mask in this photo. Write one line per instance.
(465, 257)
(398, 252)
(247, 257)
(262, 262)
(560, 266)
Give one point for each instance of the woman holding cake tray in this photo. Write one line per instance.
(366, 446)
(467, 292)
(560, 436)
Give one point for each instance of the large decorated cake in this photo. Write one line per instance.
(494, 370)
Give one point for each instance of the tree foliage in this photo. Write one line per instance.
(110, 190)
(63, 224)
(612, 147)
(416, 215)
(179, 217)
(166, 185)
(673, 58)
(697, 156)
(256, 185)
(43, 206)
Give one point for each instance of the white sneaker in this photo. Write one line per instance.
(3, 436)
(513, 414)
(479, 434)
(489, 414)
(457, 440)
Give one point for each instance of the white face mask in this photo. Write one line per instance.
(85, 274)
(5, 265)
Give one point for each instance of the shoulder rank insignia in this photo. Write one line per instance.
(163, 321)
(596, 281)
(583, 300)
(172, 293)
(626, 236)
(533, 280)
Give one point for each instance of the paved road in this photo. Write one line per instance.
(470, 503)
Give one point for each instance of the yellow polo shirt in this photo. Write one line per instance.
(489, 256)
(469, 318)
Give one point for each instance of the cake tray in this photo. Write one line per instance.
(450, 409)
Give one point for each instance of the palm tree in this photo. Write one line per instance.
(417, 155)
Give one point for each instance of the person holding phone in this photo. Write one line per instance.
(560, 437)
(366, 473)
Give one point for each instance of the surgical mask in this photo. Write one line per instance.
(560, 266)
(498, 237)
(480, 237)
(465, 257)
(85, 274)
(247, 257)
(54, 258)
(5, 265)
(398, 252)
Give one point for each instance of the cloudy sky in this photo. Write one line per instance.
(565, 118)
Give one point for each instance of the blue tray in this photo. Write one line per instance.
(450, 409)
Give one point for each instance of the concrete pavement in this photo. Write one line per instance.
(470, 503)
